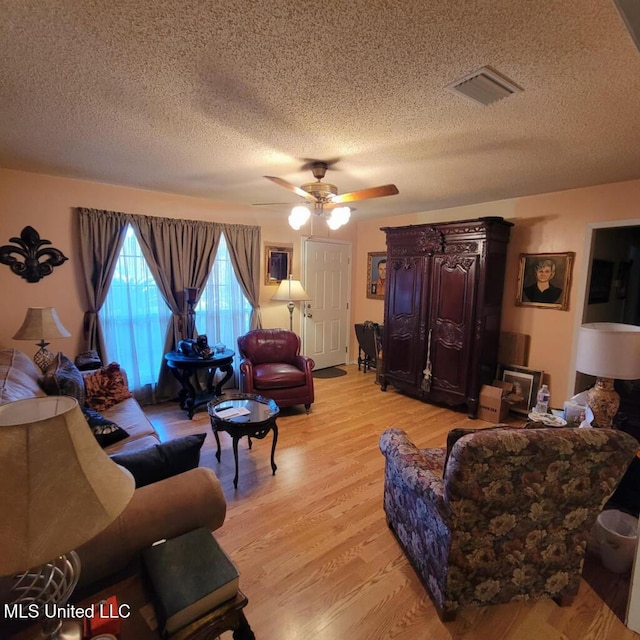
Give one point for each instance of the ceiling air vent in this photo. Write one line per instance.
(483, 86)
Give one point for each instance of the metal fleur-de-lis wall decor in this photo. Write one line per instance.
(29, 263)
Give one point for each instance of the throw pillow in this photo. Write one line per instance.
(162, 460)
(105, 431)
(63, 378)
(106, 387)
(88, 360)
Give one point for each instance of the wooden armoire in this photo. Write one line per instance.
(442, 309)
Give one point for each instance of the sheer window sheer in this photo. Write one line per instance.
(223, 313)
(134, 318)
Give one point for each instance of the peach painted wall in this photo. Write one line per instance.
(555, 222)
(549, 223)
(46, 203)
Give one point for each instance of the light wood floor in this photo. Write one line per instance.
(315, 555)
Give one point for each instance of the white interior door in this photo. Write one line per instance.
(326, 268)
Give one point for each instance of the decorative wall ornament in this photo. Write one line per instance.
(31, 268)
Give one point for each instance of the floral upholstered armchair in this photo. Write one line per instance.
(503, 513)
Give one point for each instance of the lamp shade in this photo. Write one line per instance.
(58, 488)
(41, 323)
(290, 290)
(609, 350)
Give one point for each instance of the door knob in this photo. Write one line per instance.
(309, 315)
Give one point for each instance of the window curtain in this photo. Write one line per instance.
(101, 237)
(244, 249)
(134, 319)
(180, 254)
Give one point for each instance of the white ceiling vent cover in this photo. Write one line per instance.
(483, 87)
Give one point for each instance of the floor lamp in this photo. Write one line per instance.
(59, 489)
(290, 291)
(609, 351)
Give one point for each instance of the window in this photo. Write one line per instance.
(223, 313)
(135, 317)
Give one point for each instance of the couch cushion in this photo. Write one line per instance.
(18, 377)
(129, 415)
(277, 375)
(106, 387)
(162, 460)
(129, 445)
(63, 378)
(105, 431)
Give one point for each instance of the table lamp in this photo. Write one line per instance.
(609, 351)
(42, 323)
(292, 291)
(58, 490)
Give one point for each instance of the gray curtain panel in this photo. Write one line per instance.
(180, 254)
(244, 248)
(101, 237)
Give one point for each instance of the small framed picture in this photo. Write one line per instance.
(526, 383)
(544, 280)
(376, 275)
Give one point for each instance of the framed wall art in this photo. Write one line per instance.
(277, 263)
(376, 275)
(526, 383)
(544, 280)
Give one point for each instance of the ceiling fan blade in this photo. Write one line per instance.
(364, 194)
(290, 187)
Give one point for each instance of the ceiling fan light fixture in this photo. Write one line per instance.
(299, 216)
(338, 217)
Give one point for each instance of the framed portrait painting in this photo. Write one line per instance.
(376, 275)
(277, 263)
(544, 280)
(526, 383)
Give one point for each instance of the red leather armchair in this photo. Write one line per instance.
(271, 366)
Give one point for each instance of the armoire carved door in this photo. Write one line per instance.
(442, 309)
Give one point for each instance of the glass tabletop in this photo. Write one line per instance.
(243, 408)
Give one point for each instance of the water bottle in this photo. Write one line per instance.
(542, 404)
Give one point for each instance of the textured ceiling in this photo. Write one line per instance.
(204, 98)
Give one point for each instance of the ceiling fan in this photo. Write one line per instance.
(326, 201)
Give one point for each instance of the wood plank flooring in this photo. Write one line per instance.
(315, 555)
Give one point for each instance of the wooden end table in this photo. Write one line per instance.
(135, 600)
(186, 368)
(257, 422)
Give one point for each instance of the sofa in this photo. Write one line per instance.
(503, 513)
(162, 509)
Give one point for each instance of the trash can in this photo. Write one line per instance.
(617, 534)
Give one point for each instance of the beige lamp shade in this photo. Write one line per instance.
(41, 323)
(290, 291)
(58, 488)
(609, 350)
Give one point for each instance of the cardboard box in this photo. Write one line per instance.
(492, 405)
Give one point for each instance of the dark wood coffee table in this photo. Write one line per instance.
(256, 423)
